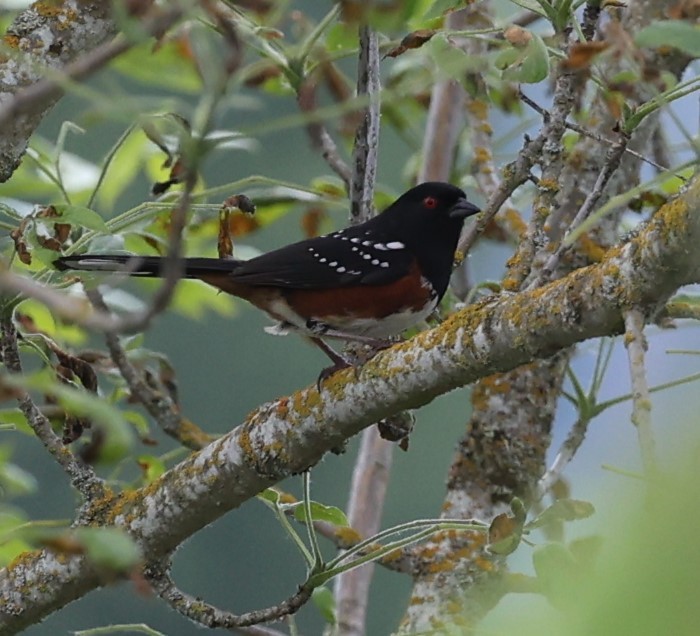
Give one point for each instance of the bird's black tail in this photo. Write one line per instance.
(143, 265)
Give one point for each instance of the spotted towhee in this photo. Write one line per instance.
(363, 283)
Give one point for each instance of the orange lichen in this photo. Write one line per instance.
(482, 155)
(548, 185)
(444, 565)
(11, 40)
(394, 555)
(484, 564)
(514, 221)
(479, 108)
(592, 250)
(347, 536)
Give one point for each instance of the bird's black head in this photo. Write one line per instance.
(434, 200)
(429, 219)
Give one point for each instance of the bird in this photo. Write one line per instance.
(365, 283)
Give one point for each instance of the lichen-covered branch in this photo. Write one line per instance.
(69, 37)
(291, 434)
(207, 615)
(366, 149)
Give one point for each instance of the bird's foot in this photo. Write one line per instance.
(326, 373)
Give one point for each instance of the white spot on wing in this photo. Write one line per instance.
(395, 245)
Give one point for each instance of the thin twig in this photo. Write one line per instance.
(202, 613)
(566, 453)
(365, 150)
(82, 476)
(612, 163)
(592, 135)
(319, 135)
(34, 97)
(636, 344)
(515, 174)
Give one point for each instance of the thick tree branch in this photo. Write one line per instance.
(73, 39)
(292, 434)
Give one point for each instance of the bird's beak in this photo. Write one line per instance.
(462, 209)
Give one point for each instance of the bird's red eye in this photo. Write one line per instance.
(430, 202)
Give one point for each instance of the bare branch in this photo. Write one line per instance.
(374, 458)
(202, 613)
(612, 163)
(636, 344)
(365, 151)
(319, 135)
(581, 130)
(565, 454)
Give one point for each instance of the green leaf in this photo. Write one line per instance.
(340, 38)
(562, 510)
(110, 548)
(557, 571)
(13, 419)
(321, 512)
(124, 167)
(15, 481)
(441, 7)
(677, 34)
(169, 67)
(11, 543)
(529, 65)
(153, 467)
(81, 216)
(194, 299)
(119, 436)
(324, 601)
(44, 321)
(450, 60)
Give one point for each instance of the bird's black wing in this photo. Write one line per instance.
(354, 256)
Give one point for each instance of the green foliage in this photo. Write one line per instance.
(324, 601)
(528, 65)
(110, 549)
(637, 577)
(671, 33)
